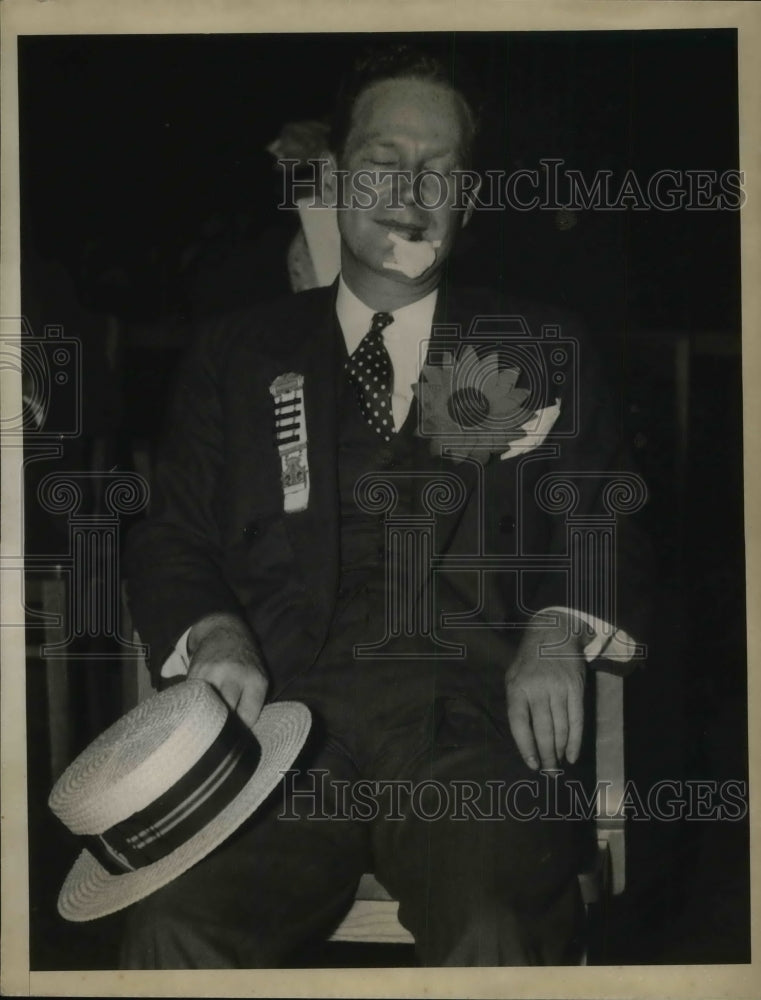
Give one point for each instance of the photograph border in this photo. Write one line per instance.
(72, 17)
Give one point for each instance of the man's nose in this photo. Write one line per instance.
(397, 189)
(407, 189)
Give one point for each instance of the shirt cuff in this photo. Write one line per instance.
(608, 642)
(177, 663)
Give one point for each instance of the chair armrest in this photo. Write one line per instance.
(609, 754)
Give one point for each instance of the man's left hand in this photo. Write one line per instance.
(545, 695)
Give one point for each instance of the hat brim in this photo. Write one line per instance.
(90, 891)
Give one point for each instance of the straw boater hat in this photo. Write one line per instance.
(162, 787)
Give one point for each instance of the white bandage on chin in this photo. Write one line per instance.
(411, 258)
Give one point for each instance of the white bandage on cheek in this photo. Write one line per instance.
(411, 258)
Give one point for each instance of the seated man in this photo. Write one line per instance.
(301, 433)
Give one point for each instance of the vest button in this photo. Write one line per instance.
(251, 530)
(507, 524)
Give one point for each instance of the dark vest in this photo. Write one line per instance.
(361, 451)
(362, 604)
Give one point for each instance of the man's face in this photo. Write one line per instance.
(402, 125)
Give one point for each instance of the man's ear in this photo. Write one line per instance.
(471, 196)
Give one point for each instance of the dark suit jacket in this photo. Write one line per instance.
(217, 538)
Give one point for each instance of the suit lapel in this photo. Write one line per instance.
(450, 321)
(314, 532)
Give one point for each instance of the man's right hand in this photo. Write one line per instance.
(222, 651)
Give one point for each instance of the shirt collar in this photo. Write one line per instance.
(354, 317)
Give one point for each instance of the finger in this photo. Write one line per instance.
(230, 690)
(198, 668)
(211, 671)
(559, 710)
(520, 727)
(205, 653)
(544, 733)
(206, 668)
(250, 704)
(575, 725)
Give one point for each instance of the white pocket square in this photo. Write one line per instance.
(536, 430)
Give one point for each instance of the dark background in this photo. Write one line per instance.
(149, 202)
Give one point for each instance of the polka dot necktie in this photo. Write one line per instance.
(372, 373)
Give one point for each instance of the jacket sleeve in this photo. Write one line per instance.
(173, 557)
(593, 491)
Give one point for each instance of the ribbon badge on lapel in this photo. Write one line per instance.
(291, 440)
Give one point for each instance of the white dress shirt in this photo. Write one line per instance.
(406, 340)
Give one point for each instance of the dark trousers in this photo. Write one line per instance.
(403, 775)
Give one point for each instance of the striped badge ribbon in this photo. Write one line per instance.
(291, 439)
